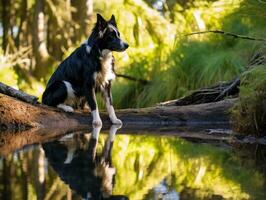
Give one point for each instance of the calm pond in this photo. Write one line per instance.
(136, 166)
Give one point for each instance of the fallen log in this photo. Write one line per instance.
(5, 89)
(207, 95)
(19, 115)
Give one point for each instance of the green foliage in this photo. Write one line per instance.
(7, 74)
(250, 112)
(190, 66)
(14, 72)
(188, 63)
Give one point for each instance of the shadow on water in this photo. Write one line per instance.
(133, 165)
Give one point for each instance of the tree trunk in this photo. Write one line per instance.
(40, 52)
(5, 22)
(23, 16)
(59, 38)
(82, 15)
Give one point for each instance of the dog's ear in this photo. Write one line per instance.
(101, 23)
(112, 21)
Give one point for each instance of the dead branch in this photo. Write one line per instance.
(207, 95)
(143, 81)
(5, 89)
(228, 34)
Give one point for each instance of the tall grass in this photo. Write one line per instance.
(250, 112)
(191, 64)
(173, 70)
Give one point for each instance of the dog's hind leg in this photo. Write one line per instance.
(57, 94)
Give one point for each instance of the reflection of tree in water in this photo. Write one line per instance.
(197, 171)
(252, 156)
(78, 164)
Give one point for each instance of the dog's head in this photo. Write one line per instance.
(109, 35)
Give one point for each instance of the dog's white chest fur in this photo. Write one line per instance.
(106, 74)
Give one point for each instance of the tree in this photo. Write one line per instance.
(39, 27)
(82, 15)
(5, 22)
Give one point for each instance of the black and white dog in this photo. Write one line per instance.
(89, 68)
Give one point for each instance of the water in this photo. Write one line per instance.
(132, 165)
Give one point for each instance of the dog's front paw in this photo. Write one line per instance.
(117, 121)
(97, 122)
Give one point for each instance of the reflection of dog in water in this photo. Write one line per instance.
(78, 164)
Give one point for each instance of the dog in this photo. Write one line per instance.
(88, 69)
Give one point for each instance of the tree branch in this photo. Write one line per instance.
(227, 34)
(143, 81)
(5, 89)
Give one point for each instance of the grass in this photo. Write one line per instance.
(249, 114)
(190, 65)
